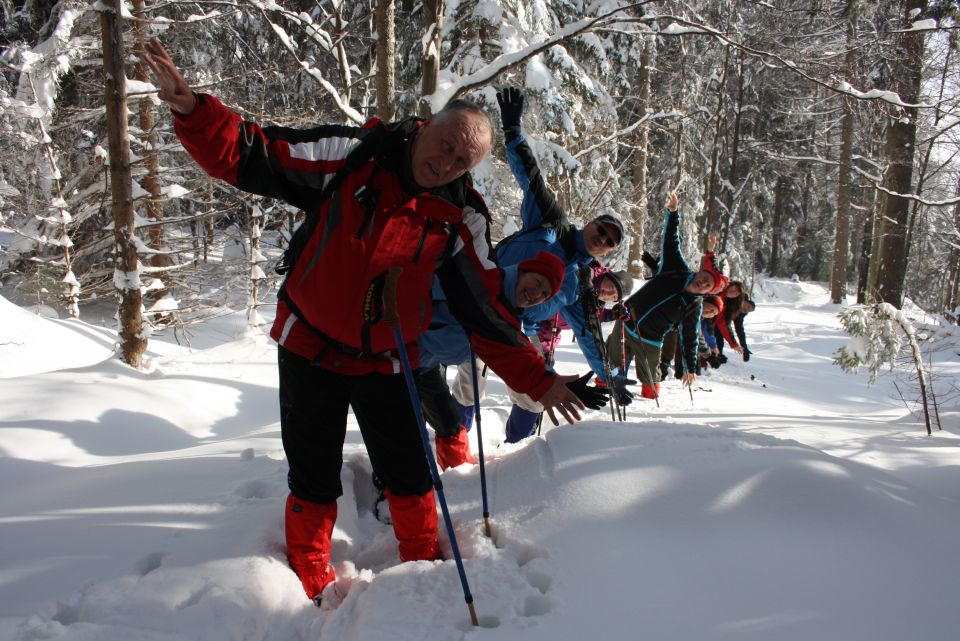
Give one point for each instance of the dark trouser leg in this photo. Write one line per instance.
(444, 415)
(648, 361)
(667, 351)
(439, 407)
(615, 348)
(313, 424)
(389, 427)
(520, 424)
(313, 415)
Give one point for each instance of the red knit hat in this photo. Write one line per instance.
(719, 280)
(547, 265)
(716, 301)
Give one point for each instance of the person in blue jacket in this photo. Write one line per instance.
(445, 342)
(545, 227)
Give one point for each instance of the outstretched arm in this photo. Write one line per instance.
(539, 205)
(671, 256)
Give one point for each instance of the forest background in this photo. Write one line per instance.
(817, 138)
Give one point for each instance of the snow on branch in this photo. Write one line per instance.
(840, 87)
(491, 70)
(663, 115)
(875, 341)
(878, 183)
(342, 103)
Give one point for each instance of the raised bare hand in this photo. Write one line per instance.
(559, 397)
(673, 201)
(174, 89)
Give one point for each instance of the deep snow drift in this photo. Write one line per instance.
(786, 501)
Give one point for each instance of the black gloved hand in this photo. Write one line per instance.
(714, 361)
(510, 100)
(722, 358)
(621, 393)
(650, 261)
(746, 355)
(592, 397)
(621, 311)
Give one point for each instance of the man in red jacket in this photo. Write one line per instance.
(409, 204)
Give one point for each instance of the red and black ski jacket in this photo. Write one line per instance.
(330, 309)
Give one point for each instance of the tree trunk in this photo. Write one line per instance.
(635, 225)
(899, 144)
(713, 175)
(341, 31)
(774, 267)
(386, 48)
(127, 266)
(257, 276)
(838, 276)
(727, 194)
(864, 262)
(950, 300)
(150, 144)
(432, 27)
(208, 227)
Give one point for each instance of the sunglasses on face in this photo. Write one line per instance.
(607, 238)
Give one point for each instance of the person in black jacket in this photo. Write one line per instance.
(671, 298)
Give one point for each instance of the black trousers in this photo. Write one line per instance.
(313, 424)
(439, 407)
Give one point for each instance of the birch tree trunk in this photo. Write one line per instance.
(127, 265)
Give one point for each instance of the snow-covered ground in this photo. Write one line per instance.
(786, 501)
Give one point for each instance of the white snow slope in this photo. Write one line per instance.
(786, 501)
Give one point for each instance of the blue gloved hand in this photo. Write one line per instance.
(510, 100)
(620, 392)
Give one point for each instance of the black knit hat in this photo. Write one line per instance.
(623, 281)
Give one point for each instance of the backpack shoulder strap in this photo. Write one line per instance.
(368, 147)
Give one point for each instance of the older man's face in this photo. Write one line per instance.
(448, 147)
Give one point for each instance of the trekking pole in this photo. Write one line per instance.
(623, 358)
(591, 321)
(392, 319)
(483, 473)
(690, 389)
